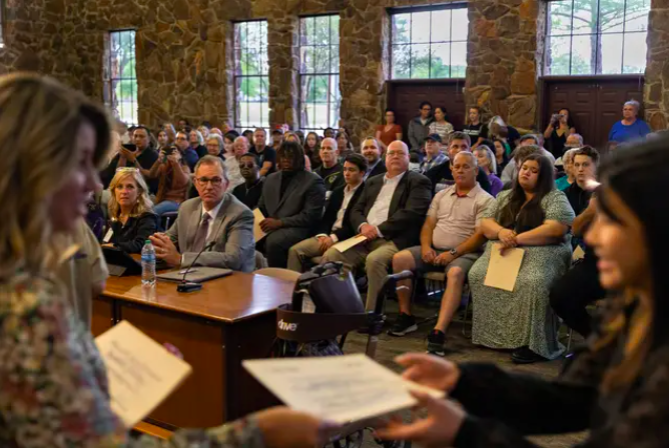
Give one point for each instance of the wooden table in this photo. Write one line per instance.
(229, 320)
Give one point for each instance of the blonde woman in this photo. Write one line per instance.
(196, 141)
(53, 384)
(130, 212)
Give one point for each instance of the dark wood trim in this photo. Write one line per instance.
(593, 78)
(426, 81)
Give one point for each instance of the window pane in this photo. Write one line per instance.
(401, 61)
(559, 56)
(334, 59)
(636, 17)
(585, 16)
(458, 59)
(559, 13)
(441, 26)
(612, 16)
(401, 28)
(582, 59)
(121, 79)
(634, 51)
(321, 59)
(306, 25)
(420, 27)
(612, 53)
(420, 61)
(460, 24)
(334, 30)
(441, 55)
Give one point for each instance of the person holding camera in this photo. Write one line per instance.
(559, 128)
(173, 176)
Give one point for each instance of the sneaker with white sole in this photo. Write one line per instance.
(404, 324)
(435, 343)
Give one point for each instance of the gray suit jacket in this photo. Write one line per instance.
(302, 203)
(232, 230)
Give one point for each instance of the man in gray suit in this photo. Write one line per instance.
(213, 217)
(292, 202)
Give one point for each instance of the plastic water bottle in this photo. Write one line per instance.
(148, 264)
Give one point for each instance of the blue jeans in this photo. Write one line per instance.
(165, 207)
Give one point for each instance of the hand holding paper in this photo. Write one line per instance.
(345, 245)
(258, 217)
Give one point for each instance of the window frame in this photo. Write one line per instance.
(330, 74)
(109, 81)
(237, 75)
(424, 8)
(599, 54)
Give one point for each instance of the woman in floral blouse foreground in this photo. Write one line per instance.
(53, 387)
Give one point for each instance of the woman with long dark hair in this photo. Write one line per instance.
(618, 382)
(312, 147)
(560, 126)
(536, 217)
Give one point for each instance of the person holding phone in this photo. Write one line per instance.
(559, 128)
(138, 154)
(173, 176)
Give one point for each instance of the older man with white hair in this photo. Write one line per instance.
(389, 215)
(239, 147)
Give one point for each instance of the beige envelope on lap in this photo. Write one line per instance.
(503, 269)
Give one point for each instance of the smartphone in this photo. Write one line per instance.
(168, 151)
(130, 147)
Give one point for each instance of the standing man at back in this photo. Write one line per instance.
(418, 127)
(266, 154)
(390, 214)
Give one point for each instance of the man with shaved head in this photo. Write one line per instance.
(389, 214)
(330, 169)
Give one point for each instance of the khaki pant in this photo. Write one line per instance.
(303, 251)
(376, 256)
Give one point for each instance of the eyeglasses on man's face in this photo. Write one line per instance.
(215, 181)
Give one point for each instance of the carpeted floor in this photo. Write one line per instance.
(461, 349)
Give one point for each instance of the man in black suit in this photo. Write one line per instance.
(292, 202)
(336, 223)
(390, 214)
(371, 149)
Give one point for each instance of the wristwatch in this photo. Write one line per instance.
(453, 252)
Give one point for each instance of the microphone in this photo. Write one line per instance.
(185, 286)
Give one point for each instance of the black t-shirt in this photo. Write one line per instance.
(332, 177)
(442, 178)
(267, 155)
(145, 160)
(250, 196)
(578, 198)
(474, 131)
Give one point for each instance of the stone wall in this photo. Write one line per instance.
(504, 58)
(656, 88)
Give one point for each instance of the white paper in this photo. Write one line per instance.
(345, 245)
(142, 373)
(108, 236)
(342, 389)
(578, 254)
(503, 269)
(258, 233)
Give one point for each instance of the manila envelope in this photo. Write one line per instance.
(503, 269)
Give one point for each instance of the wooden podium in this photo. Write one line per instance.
(231, 319)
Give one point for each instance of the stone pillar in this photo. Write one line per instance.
(283, 52)
(656, 87)
(363, 54)
(504, 57)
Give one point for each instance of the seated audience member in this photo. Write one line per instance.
(568, 164)
(215, 145)
(344, 144)
(329, 133)
(631, 127)
(248, 134)
(574, 141)
(330, 170)
(501, 157)
(183, 125)
(187, 153)
(389, 214)
(233, 169)
(371, 150)
(450, 241)
(293, 137)
(433, 154)
(336, 223)
(440, 125)
(277, 138)
(419, 127)
(213, 217)
(292, 202)
(534, 216)
(266, 154)
(580, 286)
(488, 164)
(511, 169)
(163, 139)
(559, 128)
(390, 131)
(441, 175)
(173, 177)
(205, 130)
(312, 148)
(196, 140)
(142, 158)
(228, 142)
(249, 192)
(497, 128)
(130, 212)
(216, 131)
(475, 129)
(171, 132)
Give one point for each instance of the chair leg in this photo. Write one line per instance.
(571, 335)
(466, 317)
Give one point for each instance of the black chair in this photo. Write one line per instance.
(168, 218)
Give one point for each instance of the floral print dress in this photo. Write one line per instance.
(53, 385)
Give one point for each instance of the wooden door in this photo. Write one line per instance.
(595, 102)
(404, 97)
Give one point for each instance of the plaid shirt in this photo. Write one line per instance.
(426, 165)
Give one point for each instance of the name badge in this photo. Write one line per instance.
(327, 195)
(108, 236)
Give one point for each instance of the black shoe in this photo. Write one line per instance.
(524, 355)
(435, 343)
(404, 324)
(367, 329)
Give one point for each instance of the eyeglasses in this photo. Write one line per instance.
(215, 181)
(181, 138)
(397, 153)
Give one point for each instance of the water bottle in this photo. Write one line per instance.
(148, 264)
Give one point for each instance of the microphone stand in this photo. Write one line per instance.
(185, 286)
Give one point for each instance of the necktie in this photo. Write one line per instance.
(201, 235)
